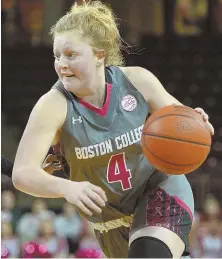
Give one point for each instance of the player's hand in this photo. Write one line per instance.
(86, 196)
(51, 164)
(206, 119)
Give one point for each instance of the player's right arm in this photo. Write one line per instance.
(46, 119)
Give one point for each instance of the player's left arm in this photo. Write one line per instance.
(154, 92)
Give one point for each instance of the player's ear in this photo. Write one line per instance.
(100, 57)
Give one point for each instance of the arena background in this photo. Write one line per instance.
(180, 41)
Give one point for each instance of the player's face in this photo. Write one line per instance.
(75, 62)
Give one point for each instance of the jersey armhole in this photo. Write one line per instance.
(133, 87)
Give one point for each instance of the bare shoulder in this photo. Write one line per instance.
(52, 105)
(141, 78)
(52, 101)
(136, 72)
(45, 121)
(150, 87)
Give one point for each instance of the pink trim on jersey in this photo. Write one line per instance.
(101, 111)
(182, 204)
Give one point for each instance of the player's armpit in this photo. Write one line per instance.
(150, 87)
(46, 118)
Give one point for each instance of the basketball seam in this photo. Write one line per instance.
(181, 115)
(181, 140)
(167, 161)
(167, 115)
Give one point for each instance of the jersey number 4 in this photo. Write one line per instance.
(118, 172)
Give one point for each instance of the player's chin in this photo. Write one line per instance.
(72, 85)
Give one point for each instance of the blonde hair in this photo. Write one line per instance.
(97, 24)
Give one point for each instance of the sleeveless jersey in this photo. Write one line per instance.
(102, 146)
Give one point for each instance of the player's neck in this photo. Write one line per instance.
(97, 98)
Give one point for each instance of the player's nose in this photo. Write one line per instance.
(62, 63)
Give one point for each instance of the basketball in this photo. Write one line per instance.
(176, 140)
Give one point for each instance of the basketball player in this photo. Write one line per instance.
(96, 111)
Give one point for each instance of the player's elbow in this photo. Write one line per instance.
(20, 177)
(17, 178)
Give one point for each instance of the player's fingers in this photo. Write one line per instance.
(48, 168)
(52, 165)
(51, 158)
(199, 110)
(205, 117)
(210, 127)
(99, 191)
(177, 104)
(203, 113)
(86, 200)
(83, 208)
(58, 166)
(94, 196)
(44, 166)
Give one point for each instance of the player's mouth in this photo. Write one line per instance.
(70, 76)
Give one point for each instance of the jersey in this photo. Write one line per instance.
(103, 146)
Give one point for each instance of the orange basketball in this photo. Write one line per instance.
(175, 140)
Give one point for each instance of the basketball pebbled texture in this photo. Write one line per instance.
(176, 140)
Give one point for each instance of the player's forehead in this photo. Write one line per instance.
(69, 40)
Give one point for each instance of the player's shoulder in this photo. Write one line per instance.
(52, 97)
(142, 79)
(138, 75)
(134, 70)
(51, 104)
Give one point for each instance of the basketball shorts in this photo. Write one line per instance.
(169, 204)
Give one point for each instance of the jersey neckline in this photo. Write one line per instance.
(100, 111)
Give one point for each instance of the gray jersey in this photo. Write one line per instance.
(102, 146)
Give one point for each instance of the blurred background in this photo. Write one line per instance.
(180, 41)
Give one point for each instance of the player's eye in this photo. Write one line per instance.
(72, 55)
(56, 56)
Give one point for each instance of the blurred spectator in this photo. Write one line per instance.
(88, 247)
(9, 213)
(4, 252)
(206, 235)
(89, 241)
(9, 240)
(209, 240)
(191, 16)
(33, 250)
(32, 19)
(88, 253)
(212, 209)
(28, 225)
(6, 173)
(69, 225)
(10, 22)
(6, 183)
(6, 166)
(217, 17)
(56, 246)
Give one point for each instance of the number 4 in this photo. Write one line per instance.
(117, 171)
